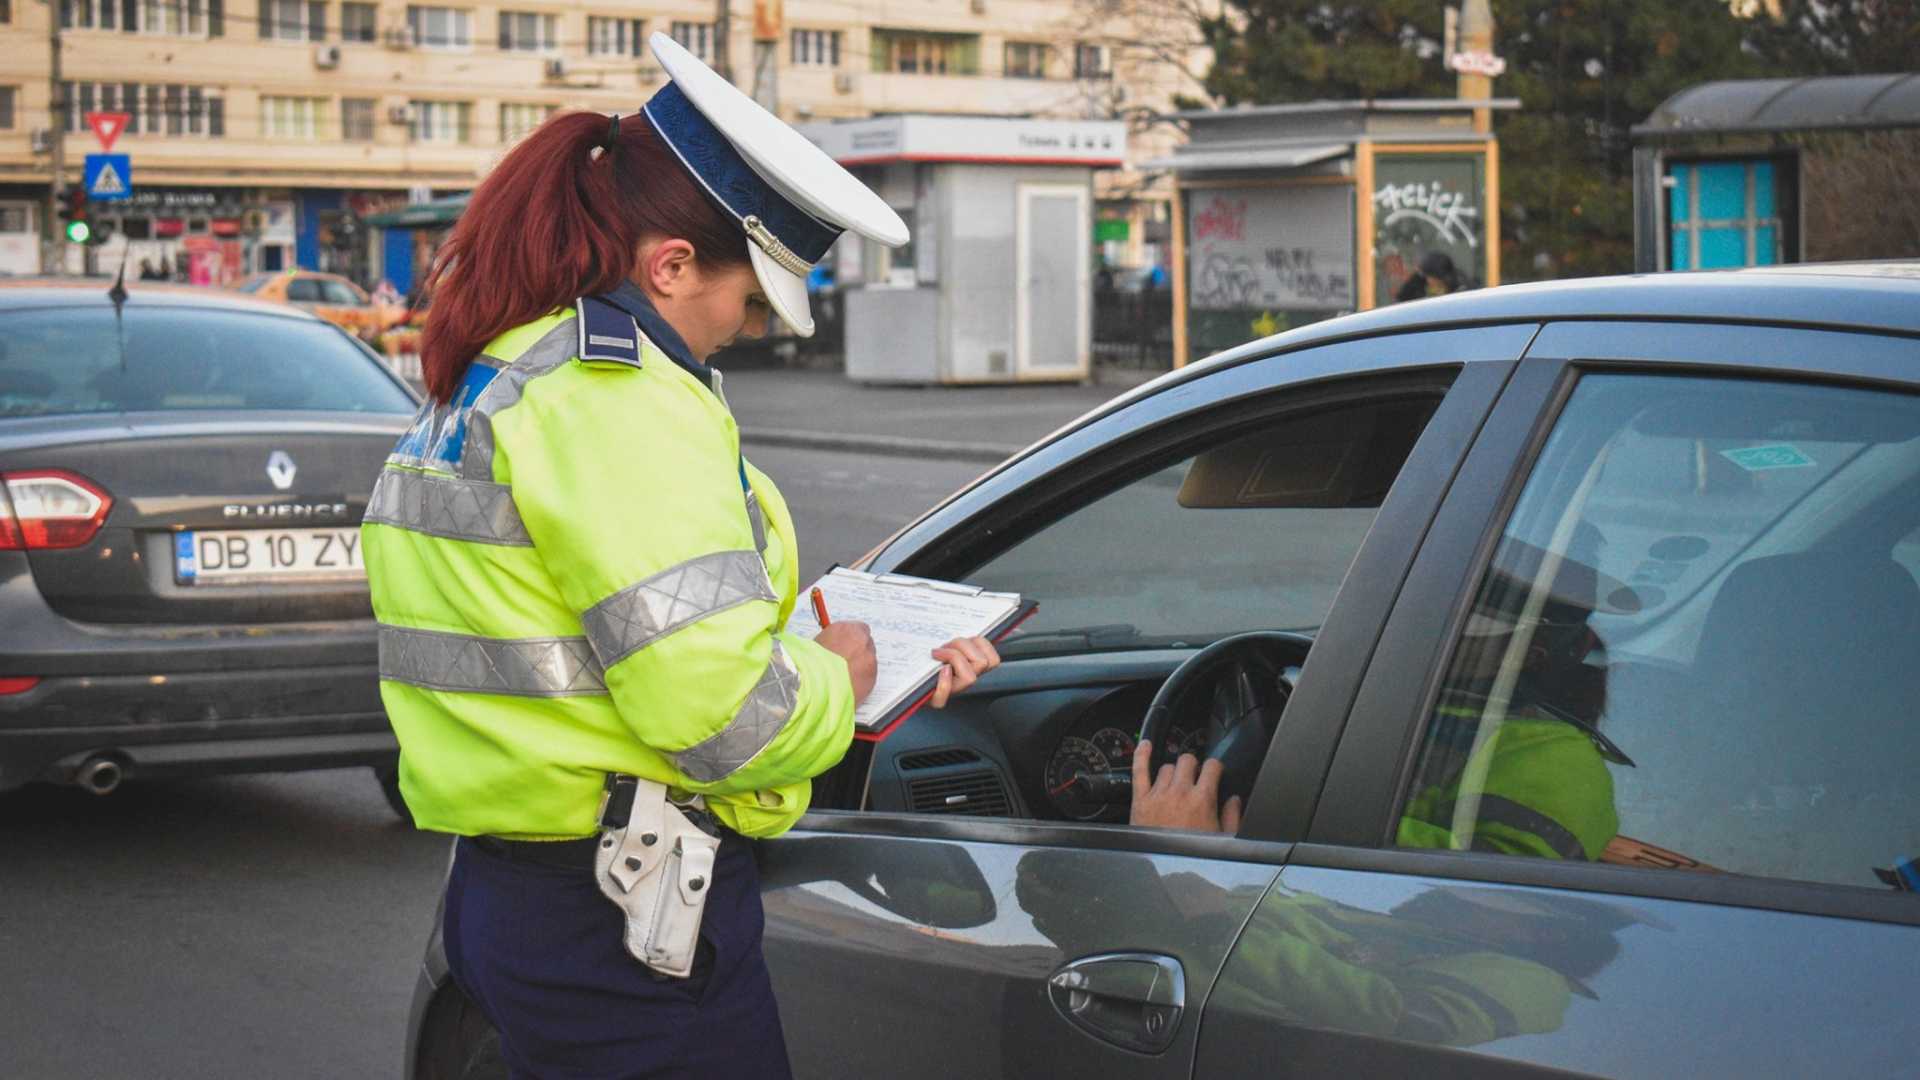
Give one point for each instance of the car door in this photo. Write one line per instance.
(1626, 774)
(965, 920)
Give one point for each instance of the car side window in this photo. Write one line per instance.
(304, 290)
(1253, 530)
(339, 292)
(1693, 647)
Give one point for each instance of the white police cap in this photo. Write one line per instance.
(791, 199)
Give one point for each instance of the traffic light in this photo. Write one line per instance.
(73, 211)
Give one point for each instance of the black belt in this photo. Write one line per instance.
(565, 854)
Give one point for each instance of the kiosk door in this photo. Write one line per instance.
(1054, 298)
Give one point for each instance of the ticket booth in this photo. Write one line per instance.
(996, 285)
(1289, 214)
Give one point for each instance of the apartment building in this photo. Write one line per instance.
(258, 129)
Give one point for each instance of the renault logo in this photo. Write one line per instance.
(280, 469)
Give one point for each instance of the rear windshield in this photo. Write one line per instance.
(56, 361)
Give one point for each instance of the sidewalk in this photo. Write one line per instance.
(825, 410)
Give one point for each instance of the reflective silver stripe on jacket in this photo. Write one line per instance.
(440, 505)
(552, 351)
(527, 667)
(641, 614)
(759, 523)
(759, 720)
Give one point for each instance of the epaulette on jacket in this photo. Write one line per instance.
(607, 333)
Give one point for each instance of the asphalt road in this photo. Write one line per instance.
(272, 925)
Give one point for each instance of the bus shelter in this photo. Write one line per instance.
(1753, 172)
(1288, 214)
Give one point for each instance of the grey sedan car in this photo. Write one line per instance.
(1560, 640)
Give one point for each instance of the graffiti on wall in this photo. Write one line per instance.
(1427, 211)
(1273, 248)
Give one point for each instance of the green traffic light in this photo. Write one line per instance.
(78, 232)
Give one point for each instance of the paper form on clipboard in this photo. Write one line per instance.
(909, 617)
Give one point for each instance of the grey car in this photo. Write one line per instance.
(1560, 639)
(182, 474)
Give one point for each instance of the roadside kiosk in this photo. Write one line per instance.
(1289, 214)
(1754, 172)
(996, 285)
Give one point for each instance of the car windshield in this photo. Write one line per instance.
(254, 283)
(66, 360)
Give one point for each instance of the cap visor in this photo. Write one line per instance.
(785, 290)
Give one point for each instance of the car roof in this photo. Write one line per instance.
(21, 293)
(1881, 295)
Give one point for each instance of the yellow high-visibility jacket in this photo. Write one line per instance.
(575, 573)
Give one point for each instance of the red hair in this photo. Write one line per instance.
(555, 221)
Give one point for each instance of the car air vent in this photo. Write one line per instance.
(979, 793)
(933, 759)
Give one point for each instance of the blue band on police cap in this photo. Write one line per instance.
(711, 158)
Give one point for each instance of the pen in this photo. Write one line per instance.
(820, 609)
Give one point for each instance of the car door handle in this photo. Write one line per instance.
(1134, 1000)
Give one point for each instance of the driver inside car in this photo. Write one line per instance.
(1536, 766)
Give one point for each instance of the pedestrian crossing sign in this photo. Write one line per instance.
(109, 177)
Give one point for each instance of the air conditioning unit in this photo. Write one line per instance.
(556, 69)
(979, 7)
(401, 114)
(42, 141)
(844, 82)
(326, 57)
(398, 37)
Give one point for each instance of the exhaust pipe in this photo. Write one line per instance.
(99, 775)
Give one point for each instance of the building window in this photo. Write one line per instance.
(6, 11)
(442, 121)
(16, 218)
(9, 102)
(912, 52)
(292, 20)
(1026, 60)
(441, 27)
(151, 108)
(293, 117)
(608, 36)
(178, 18)
(697, 37)
(816, 48)
(1092, 62)
(356, 119)
(357, 21)
(526, 31)
(518, 119)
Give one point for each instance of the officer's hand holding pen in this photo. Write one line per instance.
(853, 642)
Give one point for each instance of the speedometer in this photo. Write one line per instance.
(1116, 746)
(1067, 770)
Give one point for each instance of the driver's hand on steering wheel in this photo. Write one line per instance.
(1186, 795)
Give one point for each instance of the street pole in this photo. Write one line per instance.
(53, 253)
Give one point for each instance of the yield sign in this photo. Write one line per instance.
(107, 127)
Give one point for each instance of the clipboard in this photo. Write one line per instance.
(909, 616)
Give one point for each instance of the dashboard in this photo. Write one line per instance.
(1048, 739)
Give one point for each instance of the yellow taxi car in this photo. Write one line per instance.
(330, 296)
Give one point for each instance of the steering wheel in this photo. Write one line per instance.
(1246, 674)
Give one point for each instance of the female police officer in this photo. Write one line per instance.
(581, 586)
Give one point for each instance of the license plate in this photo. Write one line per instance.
(251, 556)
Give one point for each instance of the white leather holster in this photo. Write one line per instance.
(658, 868)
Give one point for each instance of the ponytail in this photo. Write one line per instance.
(561, 217)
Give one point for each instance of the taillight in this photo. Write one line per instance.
(51, 509)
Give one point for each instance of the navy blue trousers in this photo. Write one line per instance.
(540, 950)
